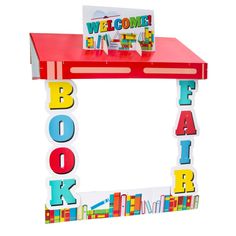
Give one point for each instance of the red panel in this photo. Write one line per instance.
(170, 60)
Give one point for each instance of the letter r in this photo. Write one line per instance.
(184, 181)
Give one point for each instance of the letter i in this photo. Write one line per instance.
(185, 152)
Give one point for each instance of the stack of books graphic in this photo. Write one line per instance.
(54, 216)
(124, 205)
(180, 203)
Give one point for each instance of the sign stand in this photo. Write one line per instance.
(59, 58)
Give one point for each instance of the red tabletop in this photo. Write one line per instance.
(61, 56)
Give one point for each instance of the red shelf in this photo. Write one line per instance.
(61, 56)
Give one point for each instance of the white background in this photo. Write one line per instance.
(120, 121)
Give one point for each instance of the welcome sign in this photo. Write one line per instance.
(120, 29)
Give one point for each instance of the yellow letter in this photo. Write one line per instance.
(60, 95)
(103, 26)
(184, 181)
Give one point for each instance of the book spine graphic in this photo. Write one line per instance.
(119, 204)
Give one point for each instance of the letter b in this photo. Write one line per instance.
(60, 95)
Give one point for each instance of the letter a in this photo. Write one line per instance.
(186, 124)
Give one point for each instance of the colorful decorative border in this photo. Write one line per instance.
(123, 205)
(66, 203)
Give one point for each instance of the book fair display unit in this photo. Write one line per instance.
(60, 58)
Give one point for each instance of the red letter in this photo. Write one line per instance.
(109, 26)
(186, 124)
(62, 160)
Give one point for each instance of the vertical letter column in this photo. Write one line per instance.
(184, 175)
(61, 159)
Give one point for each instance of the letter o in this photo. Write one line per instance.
(55, 129)
(59, 165)
(125, 23)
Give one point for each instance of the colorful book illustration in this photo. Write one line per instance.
(167, 203)
(192, 203)
(73, 214)
(111, 205)
(62, 215)
(188, 204)
(116, 205)
(184, 203)
(180, 203)
(172, 203)
(143, 208)
(175, 203)
(100, 213)
(154, 207)
(51, 216)
(137, 204)
(123, 205)
(158, 206)
(56, 216)
(90, 42)
(99, 42)
(128, 204)
(148, 207)
(132, 204)
(162, 199)
(196, 201)
(67, 214)
(47, 216)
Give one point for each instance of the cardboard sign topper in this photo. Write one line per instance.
(118, 28)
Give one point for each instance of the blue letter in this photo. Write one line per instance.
(61, 128)
(93, 27)
(185, 92)
(185, 152)
(144, 20)
(61, 188)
